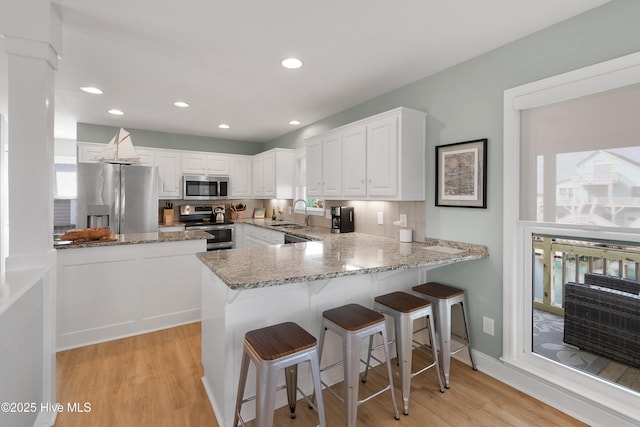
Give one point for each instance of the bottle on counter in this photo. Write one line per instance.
(273, 215)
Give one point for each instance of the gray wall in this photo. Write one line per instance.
(147, 138)
(466, 102)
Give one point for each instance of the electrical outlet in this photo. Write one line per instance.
(487, 325)
(380, 218)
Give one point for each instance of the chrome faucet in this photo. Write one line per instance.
(306, 210)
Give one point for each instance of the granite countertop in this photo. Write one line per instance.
(136, 238)
(330, 256)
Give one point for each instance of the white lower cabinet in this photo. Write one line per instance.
(111, 292)
(258, 237)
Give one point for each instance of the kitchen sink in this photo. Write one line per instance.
(290, 226)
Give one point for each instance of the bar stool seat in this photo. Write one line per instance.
(271, 349)
(443, 297)
(404, 309)
(352, 322)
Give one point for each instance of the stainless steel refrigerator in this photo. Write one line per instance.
(121, 197)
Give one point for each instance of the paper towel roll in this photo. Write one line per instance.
(406, 235)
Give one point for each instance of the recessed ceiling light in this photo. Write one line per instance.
(224, 126)
(116, 112)
(92, 90)
(181, 104)
(294, 122)
(291, 63)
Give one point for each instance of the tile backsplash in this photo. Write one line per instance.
(366, 216)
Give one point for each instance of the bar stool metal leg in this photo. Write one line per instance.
(291, 378)
(444, 326)
(444, 297)
(266, 397)
(351, 351)
(244, 369)
(404, 309)
(466, 328)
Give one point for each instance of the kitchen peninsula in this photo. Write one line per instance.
(247, 289)
(136, 283)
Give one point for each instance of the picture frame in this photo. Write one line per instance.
(461, 174)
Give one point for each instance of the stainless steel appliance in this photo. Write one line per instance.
(121, 197)
(201, 187)
(205, 218)
(342, 219)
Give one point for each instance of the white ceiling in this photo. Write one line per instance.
(223, 57)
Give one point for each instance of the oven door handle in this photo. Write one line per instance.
(200, 227)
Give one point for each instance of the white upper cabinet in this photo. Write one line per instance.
(197, 163)
(354, 166)
(382, 157)
(88, 151)
(378, 158)
(147, 156)
(194, 163)
(217, 164)
(169, 165)
(273, 174)
(240, 176)
(314, 167)
(332, 164)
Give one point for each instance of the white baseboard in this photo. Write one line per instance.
(212, 402)
(579, 407)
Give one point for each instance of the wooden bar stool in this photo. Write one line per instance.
(281, 346)
(444, 297)
(404, 309)
(352, 322)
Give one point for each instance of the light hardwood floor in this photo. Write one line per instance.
(154, 380)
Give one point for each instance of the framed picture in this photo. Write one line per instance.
(461, 174)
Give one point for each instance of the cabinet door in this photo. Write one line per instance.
(332, 165)
(169, 174)
(382, 157)
(193, 163)
(314, 167)
(354, 169)
(240, 176)
(269, 174)
(147, 157)
(257, 166)
(217, 165)
(87, 152)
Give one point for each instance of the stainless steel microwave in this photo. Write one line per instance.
(202, 187)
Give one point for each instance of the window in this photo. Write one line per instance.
(571, 163)
(64, 181)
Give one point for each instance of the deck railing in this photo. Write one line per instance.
(559, 261)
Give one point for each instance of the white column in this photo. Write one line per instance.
(32, 39)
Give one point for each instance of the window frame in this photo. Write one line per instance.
(517, 244)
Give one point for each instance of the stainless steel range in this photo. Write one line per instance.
(212, 220)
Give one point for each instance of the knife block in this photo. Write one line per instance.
(167, 216)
